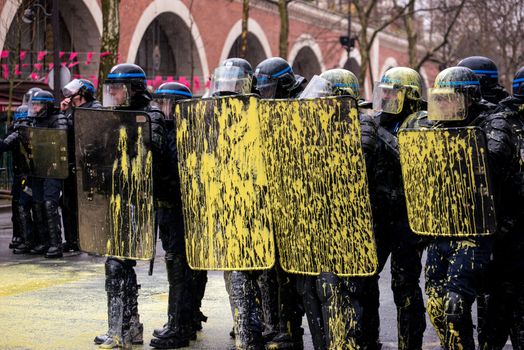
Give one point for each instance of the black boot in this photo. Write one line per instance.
(41, 229)
(198, 289)
(55, 232)
(25, 230)
(178, 330)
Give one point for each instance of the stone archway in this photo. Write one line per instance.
(255, 51)
(306, 63)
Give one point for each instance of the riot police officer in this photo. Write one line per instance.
(456, 265)
(46, 191)
(488, 74)
(21, 203)
(179, 329)
(318, 294)
(275, 79)
(504, 314)
(125, 89)
(77, 93)
(395, 97)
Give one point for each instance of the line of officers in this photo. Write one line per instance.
(268, 306)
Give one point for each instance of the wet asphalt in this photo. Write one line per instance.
(61, 304)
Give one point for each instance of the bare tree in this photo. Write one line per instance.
(110, 39)
(244, 33)
(283, 11)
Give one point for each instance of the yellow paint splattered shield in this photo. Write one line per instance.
(224, 185)
(319, 188)
(114, 183)
(44, 152)
(446, 181)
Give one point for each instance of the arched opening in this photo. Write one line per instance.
(306, 63)
(28, 48)
(255, 51)
(167, 51)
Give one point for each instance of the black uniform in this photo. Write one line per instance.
(504, 314)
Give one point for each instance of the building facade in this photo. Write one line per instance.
(186, 39)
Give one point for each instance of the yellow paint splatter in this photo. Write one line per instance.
(318, 186)
(224, 185)
(131, 209)
(446, 182)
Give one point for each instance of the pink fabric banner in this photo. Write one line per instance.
(41, 55)
(22, 55)
(5, 71)
(89, 57)
(4, 54)
(73, 55)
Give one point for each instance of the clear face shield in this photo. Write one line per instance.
(72, 88)
(116, 95)
(230, 80)
(266, 86)
(317, 87)
(166, 105)
(445, 104)
(388, 98)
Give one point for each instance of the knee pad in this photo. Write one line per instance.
(115, 276)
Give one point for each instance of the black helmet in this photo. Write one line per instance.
(484, 68)
(41, 104)
(275, 78)
(125, 83)
(29, 94)
(167, 94)
(233, 77)
(518, 83)
(454, 91)
(82, 87)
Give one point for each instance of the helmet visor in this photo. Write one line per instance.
(445, 104)
(266, 87)
(230, 80)
(388, 98)
(37, 104)
(72, 88)
(116, 95)
(166, 105)
(317, 87)
(518, 87)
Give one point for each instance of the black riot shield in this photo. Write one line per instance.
(44, 152)
(446, 181)
(224, 185)
(114, 183)
(319, 187)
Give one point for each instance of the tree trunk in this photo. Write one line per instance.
(243, 35)
(411, 33)
(110, 39)
(284, 28)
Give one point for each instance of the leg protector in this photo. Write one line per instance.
(268, 285)
(248, 325)
(459, 326)
(198, 289)
(178, 329)
(41, 228)
(306, 287)
(115, 285)
(25, 230)
(54, 229)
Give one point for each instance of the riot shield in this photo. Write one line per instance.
(319, 188)
(44, 152)
(224, 185)
(446, 182)
(114, 183)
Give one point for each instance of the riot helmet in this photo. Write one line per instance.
(275, 78)
(396, 85)
(21, 113)
(125, 83)
(29, 94)
(332, 82)
(233, 77)
(485, 70)
(41, 104)
(454, 91)
(167, 94)
(518, 83)
(79, 87)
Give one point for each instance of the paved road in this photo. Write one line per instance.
(61, 304)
